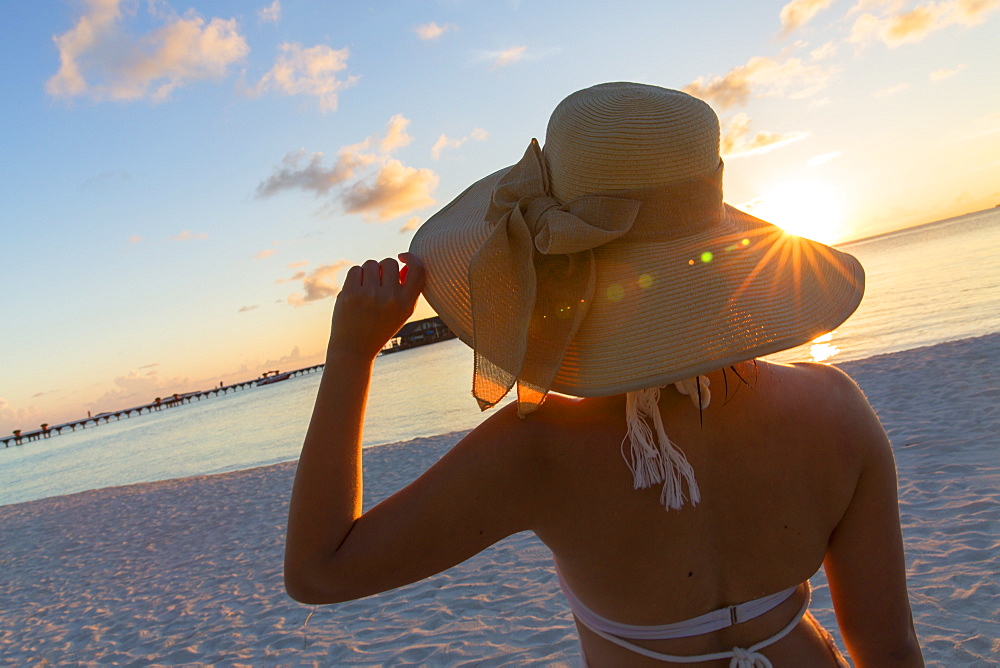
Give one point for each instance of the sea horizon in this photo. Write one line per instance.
(956, 296)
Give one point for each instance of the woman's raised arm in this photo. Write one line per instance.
(326, 498)
(477, 494)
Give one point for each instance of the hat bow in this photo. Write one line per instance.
(532, 281)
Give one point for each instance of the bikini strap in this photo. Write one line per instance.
(706, 623)
(738, 656)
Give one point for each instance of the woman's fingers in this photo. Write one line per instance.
(375, 301)
(390, 272)
(353, 277)
(412, 276)
(370, 274)
(373, 275)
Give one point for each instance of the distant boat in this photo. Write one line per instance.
(273, 377)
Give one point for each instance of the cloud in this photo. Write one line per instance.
(431, 31)
(797, 13)
(136, 238)
(391, 190)
(264, 254)
(188, 235)
(395, 135)
(944, 73)
(135, 389)
(99, 58)
(319, 284)
(973, 12)
(513, 55)
(865, 29)
(891, 90)
(394, 191)
(914, 25)
(737, 142)
(293, 357)
(297, 276)
(509, 56)
(252, 368)
(312, 176)
(244, 309)
(823, 158)
(300, 263)
(897, 28)
(271, 13)
(885, 6)
(12, 418)
(444, 141)
(149, 366)
(411, 224)
(824, 52)
(761, 77)
(308, 71)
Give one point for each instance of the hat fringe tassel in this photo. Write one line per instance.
(655, 460)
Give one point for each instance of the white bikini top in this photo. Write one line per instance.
(749, 657)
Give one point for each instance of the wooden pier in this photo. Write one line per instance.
(47, 431)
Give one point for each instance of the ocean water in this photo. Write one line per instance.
(926, 285)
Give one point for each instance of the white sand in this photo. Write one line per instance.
(189, 571)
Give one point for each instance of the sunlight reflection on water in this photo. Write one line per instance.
(924, 286)
(821, 349)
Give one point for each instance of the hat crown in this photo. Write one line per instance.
(620, 136)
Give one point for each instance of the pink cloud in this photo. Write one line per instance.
(799, 12)
(101, 59)
(311, 71)
(318, 284)
(391, 190)
(761, 77)
(432, 31)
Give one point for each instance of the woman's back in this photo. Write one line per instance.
(605, 263)
(777, 465)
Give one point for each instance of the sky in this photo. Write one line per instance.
(184, 182)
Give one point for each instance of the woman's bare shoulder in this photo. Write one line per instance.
(824, 385)
(825, 399)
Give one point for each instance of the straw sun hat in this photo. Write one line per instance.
(607, 262)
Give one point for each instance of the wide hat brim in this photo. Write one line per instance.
(667, 310)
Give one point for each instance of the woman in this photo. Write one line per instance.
(686, 490)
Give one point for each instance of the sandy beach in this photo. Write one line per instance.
(189, 571)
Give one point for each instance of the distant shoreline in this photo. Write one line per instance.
(911, 228)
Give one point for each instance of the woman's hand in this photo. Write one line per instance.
(375, 301)
(327, 496)
(483, 490)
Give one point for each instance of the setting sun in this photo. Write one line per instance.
(804, 208)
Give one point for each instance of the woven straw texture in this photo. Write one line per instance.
(662, 310)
